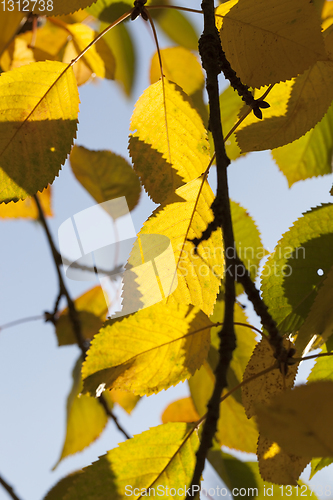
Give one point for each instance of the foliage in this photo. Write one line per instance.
(283, 51)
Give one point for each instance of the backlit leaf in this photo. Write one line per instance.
(82, 72)
(125, 399)
(318, 464)
(169, 144)
(177, 27)
(180, 66)
(9, 24)
(230, 104)
(290, 278)
(234, 429)
(277, 466)
(262, 389)
(185, 217)
(92, 310)
(61, 7)
(266, 42)
(105, 175)
(108, 11)
(309, 156)
(38, 119)
(86, 418)
(299, 421)
(142, 354)
(323, 368)
(182, 410)
(160, 458)
(27, 209)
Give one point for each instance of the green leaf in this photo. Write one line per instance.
(318, 464)
(178, 28)
(323, 368)
(60, 489)
(289, 280)
(38, 118)
(108, 11)
(86, 418)
(266, 42)
(169, 146)
(105, 175)
(160, 458)
(309, 156)
(120, 41)
(142, 354)
(61, 7)
(92, 310)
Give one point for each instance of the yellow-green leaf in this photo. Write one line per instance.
(86, 418)
(319, 463)
(180, 66)
(230, 104)
(177, 27)
(300, 420)
(186, 216)
(262, 389)
(161, 458)
(92, 310)
(105, 175)
(142, 354)
(27, 209)
(60, 7)
(323, 368)
(169, 144)
(38, 118)
(310, 155)
(266, 42)
(182, 410)
(277, 466)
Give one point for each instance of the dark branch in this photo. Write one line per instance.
(73, 314)
(9, 489)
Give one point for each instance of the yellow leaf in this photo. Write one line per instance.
(296, 107)
(9, 24)
(300, 420)
(153, 464)
(27, 209)
(180, 66)
(125, 399)
(184, 218)
(169, 146)
(234, 429)
(105, 175)
(99, 57)
(86, 418)
(92, 309)
(38, 118)
(277, 466)
(262, 389)
(81, 71)
(266, 42)
(182, 410)
(61, 7)
(142, 354)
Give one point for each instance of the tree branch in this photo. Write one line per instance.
(73, 314)
(210, 51)
(8, 488)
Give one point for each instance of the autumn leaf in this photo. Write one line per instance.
(27, 209)
(299, 420)
(9, 23)
(266, 42)
(125, 399)
(38, 106)
(61, 7)
(105, 175)
(142, 354)
(182, 410)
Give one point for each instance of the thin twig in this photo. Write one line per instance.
(9, 489)
(21, 320)
(73, 314)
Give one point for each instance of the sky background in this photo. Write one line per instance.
(35, 374)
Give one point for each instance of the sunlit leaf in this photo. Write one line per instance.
(120, 41)
(234, 429)
(169, 145)
(92, 310)
(160, 458)
(185, 217)
(230, 104)
(318, 464)
(81, 70)
(266, 42)
(105, 175)
(86, 418)
(309, 156)
(290, 279)
(300, 420)
(177, 27)
(142, 354)
(323, 368)
(277, 466)
(125, 399)
(38, 119)
(27, 209)
(265, 388)
(9, 24)
(60, 7)
(182, 410)
(108, 11)
(179, 66)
